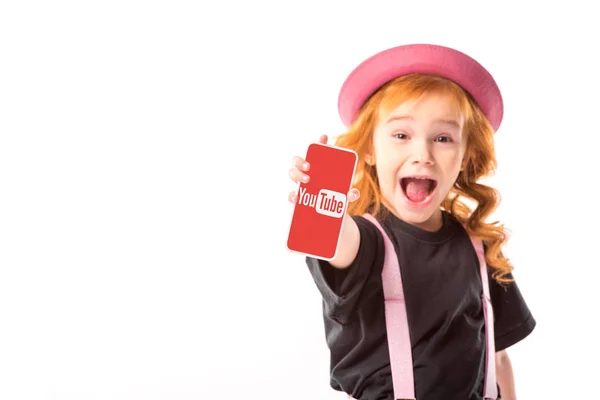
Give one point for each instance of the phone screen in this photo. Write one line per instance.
(317, 220)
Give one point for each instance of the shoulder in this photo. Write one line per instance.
(367, 227)
(341, 288)
(513, 319)
(371, 246)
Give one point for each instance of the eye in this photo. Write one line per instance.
(400, 135)
(444, 139)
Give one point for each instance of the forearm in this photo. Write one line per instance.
(505, 377)
(348, 245)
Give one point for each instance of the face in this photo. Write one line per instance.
(418, 149)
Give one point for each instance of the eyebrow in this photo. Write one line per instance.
(446, 121)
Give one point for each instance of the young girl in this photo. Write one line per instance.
(422, 120)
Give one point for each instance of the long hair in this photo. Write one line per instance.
(468, 201)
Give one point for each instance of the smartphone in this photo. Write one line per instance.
(317, 219)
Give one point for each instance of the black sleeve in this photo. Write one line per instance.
(341, 288)
(513, 320)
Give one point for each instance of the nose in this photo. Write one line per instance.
(422, 153)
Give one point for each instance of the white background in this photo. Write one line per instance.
(144, 155)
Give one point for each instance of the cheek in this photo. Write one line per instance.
(451, 158)
(452, 165)
(387, 172)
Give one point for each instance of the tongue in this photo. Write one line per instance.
(417, 189)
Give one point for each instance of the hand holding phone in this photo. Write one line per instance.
(321, 200)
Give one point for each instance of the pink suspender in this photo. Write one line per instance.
(490, 390)
(397, 324)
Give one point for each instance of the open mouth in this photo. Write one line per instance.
(417, 189)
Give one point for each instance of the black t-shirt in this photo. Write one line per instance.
(442, 285)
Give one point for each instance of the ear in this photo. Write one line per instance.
(369, 159)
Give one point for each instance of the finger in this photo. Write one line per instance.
(299, 163)
(298, 176)
(323, 139)
(292, 197)
(353, 195)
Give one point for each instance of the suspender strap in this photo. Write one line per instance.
(398, 336)
(396, 321)
(490, 390)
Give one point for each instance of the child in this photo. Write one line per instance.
(422, 120)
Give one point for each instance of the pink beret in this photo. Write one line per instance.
(374, 72)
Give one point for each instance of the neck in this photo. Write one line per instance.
(433, 224)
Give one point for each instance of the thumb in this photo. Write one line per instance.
(353, 195)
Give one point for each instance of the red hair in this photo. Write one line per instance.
(469, 201)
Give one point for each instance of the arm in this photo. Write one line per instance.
(513, 322)
(504, 374)
(341, 287)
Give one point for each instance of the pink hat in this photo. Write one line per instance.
(374, 72)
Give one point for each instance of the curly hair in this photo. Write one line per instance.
(469, 201)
